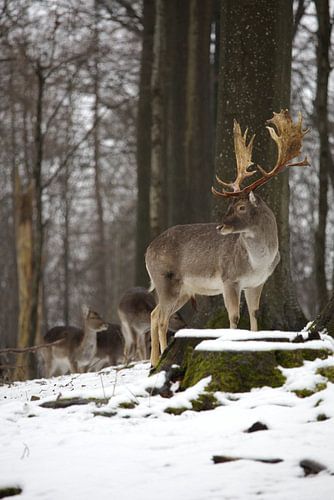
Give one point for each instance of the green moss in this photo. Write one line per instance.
(327, 372)
(66, 402)
(127, 405)
(175, 411)
(289, 359)
(293, 359)
(205, 401)
(10, 491)
(104, 413)
(312, 354)
(233, 371)
(305, 393)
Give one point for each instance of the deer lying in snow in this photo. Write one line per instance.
(134, 311)
(240, 254)
(97, 345)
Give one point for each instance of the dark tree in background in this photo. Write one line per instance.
(144, 121)
(178, 110)
(254, 81)
(326, 164)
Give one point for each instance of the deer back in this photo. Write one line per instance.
(200, 257)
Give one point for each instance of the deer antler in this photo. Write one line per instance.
(288, 137)
(243, 155)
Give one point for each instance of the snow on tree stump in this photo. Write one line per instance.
(239, 360)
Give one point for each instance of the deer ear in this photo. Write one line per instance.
(252, 199)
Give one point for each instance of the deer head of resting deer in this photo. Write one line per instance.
(240, 254)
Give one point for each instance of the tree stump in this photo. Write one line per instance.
(238, 360)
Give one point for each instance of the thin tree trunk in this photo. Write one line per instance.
(323, 71)
(101, 250)
(157, 195)
(144, 120)
(36, 310)
(24, 256)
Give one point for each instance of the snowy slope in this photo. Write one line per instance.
(145, 453)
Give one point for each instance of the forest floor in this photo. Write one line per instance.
(123, 445)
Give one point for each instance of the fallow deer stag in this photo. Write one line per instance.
(240, 254)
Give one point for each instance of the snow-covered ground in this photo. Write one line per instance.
(143, 452)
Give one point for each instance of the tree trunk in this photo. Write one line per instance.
(144, 120)
(199, 122)
(38, 228)
(101, 257)
(157, 193)
(325, 163)
(324, 323)
(255, 64)
(24, 256)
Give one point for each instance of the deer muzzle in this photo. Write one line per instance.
(225, 229)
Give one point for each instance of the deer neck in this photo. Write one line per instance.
(260, 243)
(87, 349)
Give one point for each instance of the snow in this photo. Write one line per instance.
(145, 453)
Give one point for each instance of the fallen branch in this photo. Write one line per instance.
(19, 350)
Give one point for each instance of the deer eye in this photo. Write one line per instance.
(241, 208)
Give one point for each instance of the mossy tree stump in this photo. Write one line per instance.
(238, 361)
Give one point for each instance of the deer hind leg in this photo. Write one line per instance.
(252, 296)
(159, 325)
(231, 295)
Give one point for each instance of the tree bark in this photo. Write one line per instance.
(38, 228)
(177, 28)
(199, 122)
(101, 257)
(158, 167)
(24, 256)
(325, 160)
(144, 120)
(255, 65)
(324, 322)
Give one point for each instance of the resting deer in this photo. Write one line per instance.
(134, 311)
(109, 349)
(240, 254)
(79, 348)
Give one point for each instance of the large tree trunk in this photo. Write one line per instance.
(177, 27)
(255, 62)
(325, 160)
(144, 120)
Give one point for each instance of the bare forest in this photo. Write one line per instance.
(112, 129)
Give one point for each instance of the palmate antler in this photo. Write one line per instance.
(288, 137)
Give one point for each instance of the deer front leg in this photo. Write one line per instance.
(252, 296)
(231, 295)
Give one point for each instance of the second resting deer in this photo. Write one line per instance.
(239, 254)
(134, 310)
